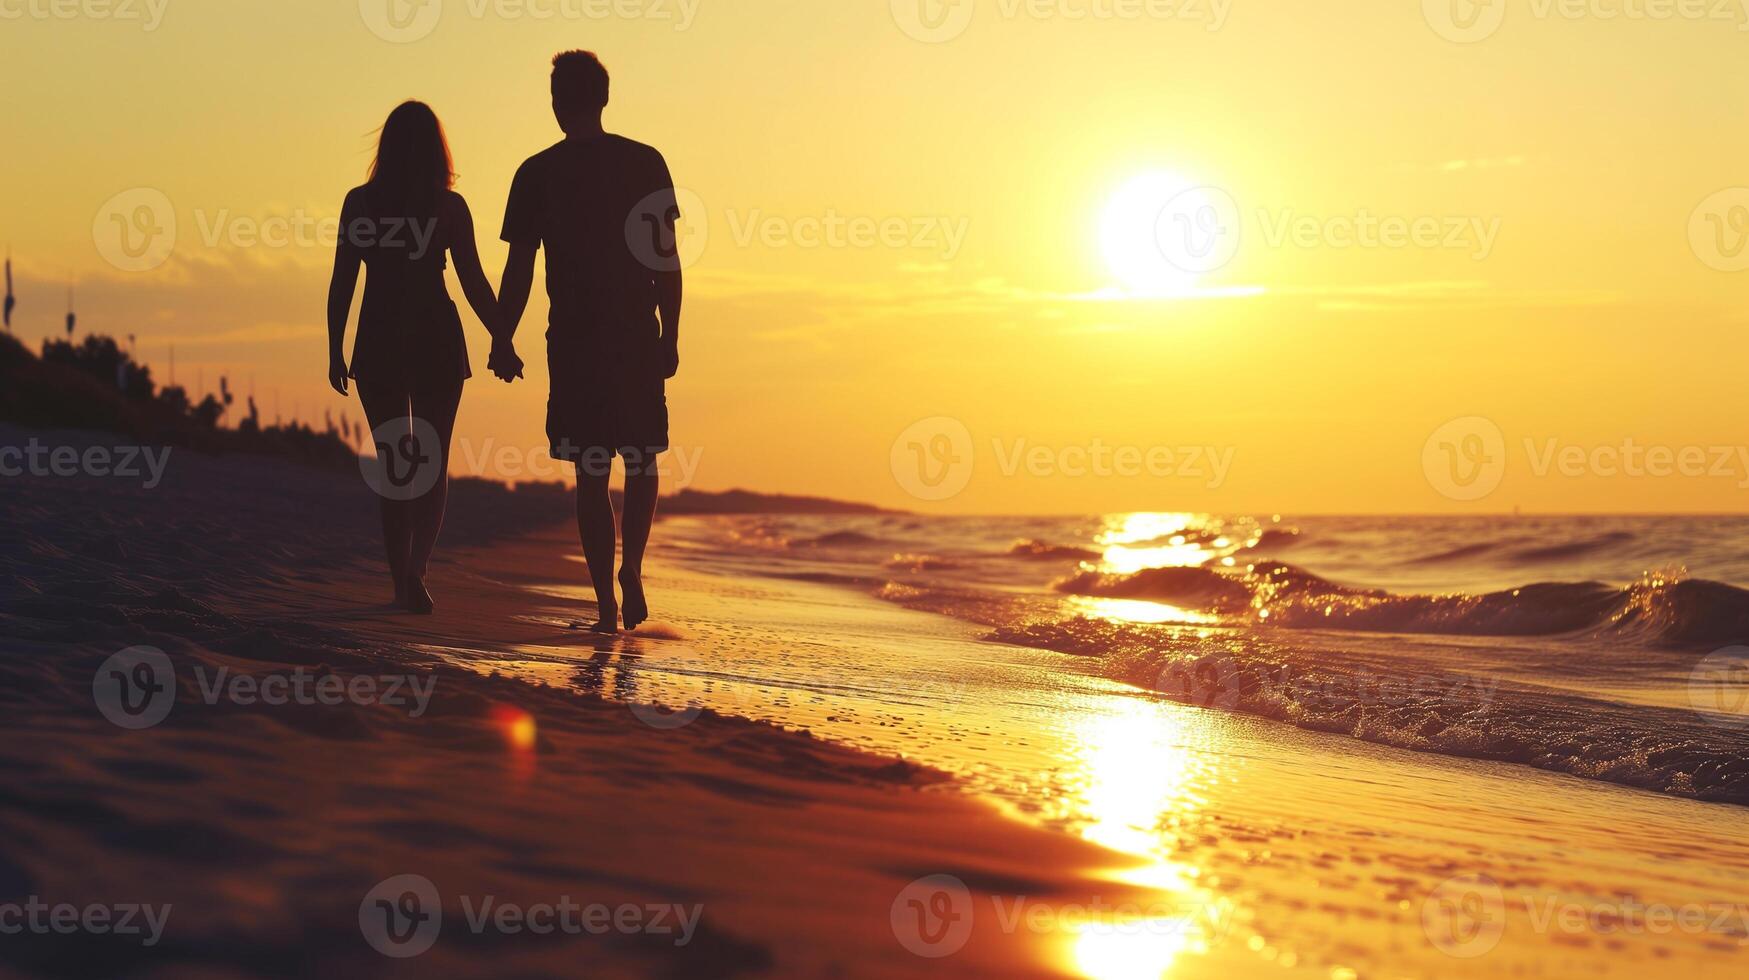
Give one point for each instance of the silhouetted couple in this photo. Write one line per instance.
(604, 208)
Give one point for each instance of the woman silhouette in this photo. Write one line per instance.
(410, 358)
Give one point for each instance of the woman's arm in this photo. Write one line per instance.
(466, 254)
(347, 259)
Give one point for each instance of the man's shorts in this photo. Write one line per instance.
(591, 424)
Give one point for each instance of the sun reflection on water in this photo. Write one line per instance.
(1140, 770)
(1132, 542)
(1137, 611)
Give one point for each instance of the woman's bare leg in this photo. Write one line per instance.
(439, 410)
(382, 407)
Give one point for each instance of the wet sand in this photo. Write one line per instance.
(1099, 830)
(266, 829)
(1277, 850)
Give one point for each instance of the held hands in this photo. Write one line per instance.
(504, 363)
(670, 360)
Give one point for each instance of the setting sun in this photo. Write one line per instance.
(1160, 233)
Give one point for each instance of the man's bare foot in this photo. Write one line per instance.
(418, 600)
(608, 625)
(636, 608)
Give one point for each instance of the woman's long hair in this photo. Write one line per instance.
(412, 164)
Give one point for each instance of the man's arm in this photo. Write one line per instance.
(525, 219)
(514, 289)
(513, 293)
(669, 291)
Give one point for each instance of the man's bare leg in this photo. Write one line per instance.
(595, 527)
(640, 514)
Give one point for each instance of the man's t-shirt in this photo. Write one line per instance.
(604, 210)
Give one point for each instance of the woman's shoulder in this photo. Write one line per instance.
(451, 204)
(357, 198)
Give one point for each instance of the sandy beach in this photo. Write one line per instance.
(263, 827)
(784, 774)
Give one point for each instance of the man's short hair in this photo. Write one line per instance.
(579, 81)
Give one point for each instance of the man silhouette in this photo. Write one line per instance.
(604, 208)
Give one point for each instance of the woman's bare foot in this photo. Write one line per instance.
(636, 608)
(418, 600)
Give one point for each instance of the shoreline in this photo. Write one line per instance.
(1083, 826)
(797, 851)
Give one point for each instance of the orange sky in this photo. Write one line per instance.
(903, 211)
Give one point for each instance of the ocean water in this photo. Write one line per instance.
(1435, 778)
(1608, 648)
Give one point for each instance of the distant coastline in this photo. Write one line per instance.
(97, 386)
